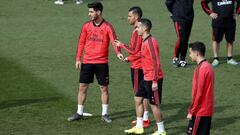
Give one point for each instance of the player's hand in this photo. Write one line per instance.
(117, 43)
(235, 15)
(171, 16)
(189, 116)
(214, 15)
(78, 64)
(154, 86)
(120, 56)
(126, 59)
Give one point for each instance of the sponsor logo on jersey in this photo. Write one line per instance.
(225, 2)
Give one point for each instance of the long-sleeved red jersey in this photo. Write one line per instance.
(94, 41)
(202, 90)
(150, 60)
(133, 49)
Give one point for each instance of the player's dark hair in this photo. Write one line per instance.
(198, 46)
(97, 6)
(136, 10)
(147, 23)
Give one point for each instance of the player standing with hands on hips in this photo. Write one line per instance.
(223, 15)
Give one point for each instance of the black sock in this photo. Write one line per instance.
(229, 58)
(216, 58)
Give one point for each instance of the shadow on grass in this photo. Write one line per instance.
(22, 102)
(20, 87)
(123, 114)
(182, 113)
(223, 59)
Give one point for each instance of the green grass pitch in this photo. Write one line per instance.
(39, 83)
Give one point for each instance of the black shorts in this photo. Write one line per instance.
(100, 70)
(218, 33)
(138, 82)
(154, 97)
(199, 125)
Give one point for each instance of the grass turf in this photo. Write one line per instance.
(38, 82)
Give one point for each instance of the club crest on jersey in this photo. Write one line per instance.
(225, 2)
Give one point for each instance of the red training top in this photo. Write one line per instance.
(94, 41)
(150, 60)
(202, 90)
(133, 49)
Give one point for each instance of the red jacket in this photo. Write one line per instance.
(202, 90)
(94, 41)
(150, 60)
(133, 49)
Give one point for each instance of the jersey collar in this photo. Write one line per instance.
(201, 61)
(99, 24)
(147, 37)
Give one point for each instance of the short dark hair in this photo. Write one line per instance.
(198, 46)
(147, 23)
(97, 6)
(136, 10)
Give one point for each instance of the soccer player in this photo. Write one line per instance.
(182, 15)
(201, 109)
(94, 41)
(153, 76)
(60, 2)
(134, 15)
(223, 23)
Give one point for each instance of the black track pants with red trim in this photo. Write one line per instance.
(183, 31)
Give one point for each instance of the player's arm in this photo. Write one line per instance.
(207, 10)
(81, 44)
(132, 58)
(135, 44)
(238, 7)
(154, 55)
(113, 37)
(202, 73)
(169, 4)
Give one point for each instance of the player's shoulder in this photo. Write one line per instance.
(87, 23)
(108, 24)
(152, 39)
(206, 65)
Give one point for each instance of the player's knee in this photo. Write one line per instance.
(83, 87)
(104, 89)
(138, 100)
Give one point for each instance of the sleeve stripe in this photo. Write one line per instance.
(112, 29)
(152, 51)
(206, 7)
(134, 44)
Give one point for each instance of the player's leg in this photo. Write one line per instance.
(230, 38)
(217, 35)
(138, 128)
(146, 120)
(86, 77)
(102, 75)
(199, 125)
(82, 95)
(140, 93)
(185, 39)
(155, 101)
(176, 53)
(204, 125)
(183, 32)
